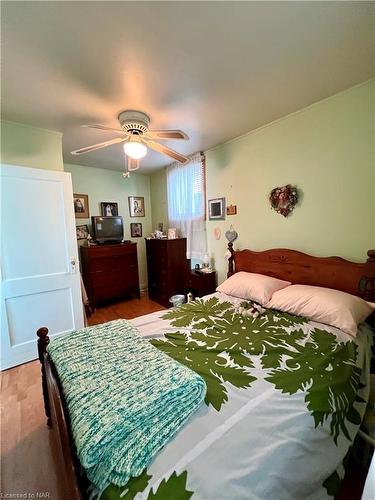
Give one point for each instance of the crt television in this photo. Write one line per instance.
(107, 229)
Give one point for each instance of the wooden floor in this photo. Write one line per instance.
(128, 310)
(26, 460)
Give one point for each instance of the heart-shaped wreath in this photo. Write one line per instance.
(284, 199)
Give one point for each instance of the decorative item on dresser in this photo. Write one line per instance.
(110, 272)
(200, 284)
(166, 268)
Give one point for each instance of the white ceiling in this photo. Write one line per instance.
(214, 69)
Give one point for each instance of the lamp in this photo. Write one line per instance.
(134, 148)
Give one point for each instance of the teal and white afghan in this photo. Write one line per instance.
(126, 399)
(285, 398)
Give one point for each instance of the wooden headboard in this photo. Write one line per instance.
(297, 267)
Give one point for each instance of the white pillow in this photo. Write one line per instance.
(325, 305)
(252, 286)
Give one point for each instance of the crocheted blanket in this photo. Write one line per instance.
(126, 398)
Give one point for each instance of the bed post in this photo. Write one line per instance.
(367, 282)
(230, 260)
(43, 341)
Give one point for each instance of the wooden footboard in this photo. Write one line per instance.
(72, 483)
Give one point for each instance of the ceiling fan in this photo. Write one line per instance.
(137, 137)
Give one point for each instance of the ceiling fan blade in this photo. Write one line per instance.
(160, 148)
(100, 145)
(167, 134)
(104, 127)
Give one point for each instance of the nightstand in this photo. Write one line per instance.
(200, 284)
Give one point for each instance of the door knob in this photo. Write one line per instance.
(73, 264)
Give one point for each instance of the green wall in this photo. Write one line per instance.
(327, 151)
(109, 185)
(30, 146)
(159, 198)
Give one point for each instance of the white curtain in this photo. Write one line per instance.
(186, 203)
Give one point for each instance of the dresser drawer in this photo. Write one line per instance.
(124, 262)
(112, 250)
(113, 262)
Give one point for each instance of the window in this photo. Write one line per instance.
(186, 203)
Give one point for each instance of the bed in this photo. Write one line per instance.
(285, 396)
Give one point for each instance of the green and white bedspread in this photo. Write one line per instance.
(284, 400)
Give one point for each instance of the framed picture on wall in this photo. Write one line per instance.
(81, 206)
(136, 206)
(82, 232)
(216, 209)
(108, 208)
(135, 229)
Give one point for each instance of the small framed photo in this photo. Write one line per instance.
(82, 232)
(216, 209)
(81, 206)
(172, 233)
(108, 208)
(232, 210)
(135, 229)
(136, 206)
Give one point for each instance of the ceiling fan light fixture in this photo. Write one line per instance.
(135, 149)
(137, 139)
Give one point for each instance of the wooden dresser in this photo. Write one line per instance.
(166, 268)
(110, 272)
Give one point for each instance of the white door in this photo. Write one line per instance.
(40, 271)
